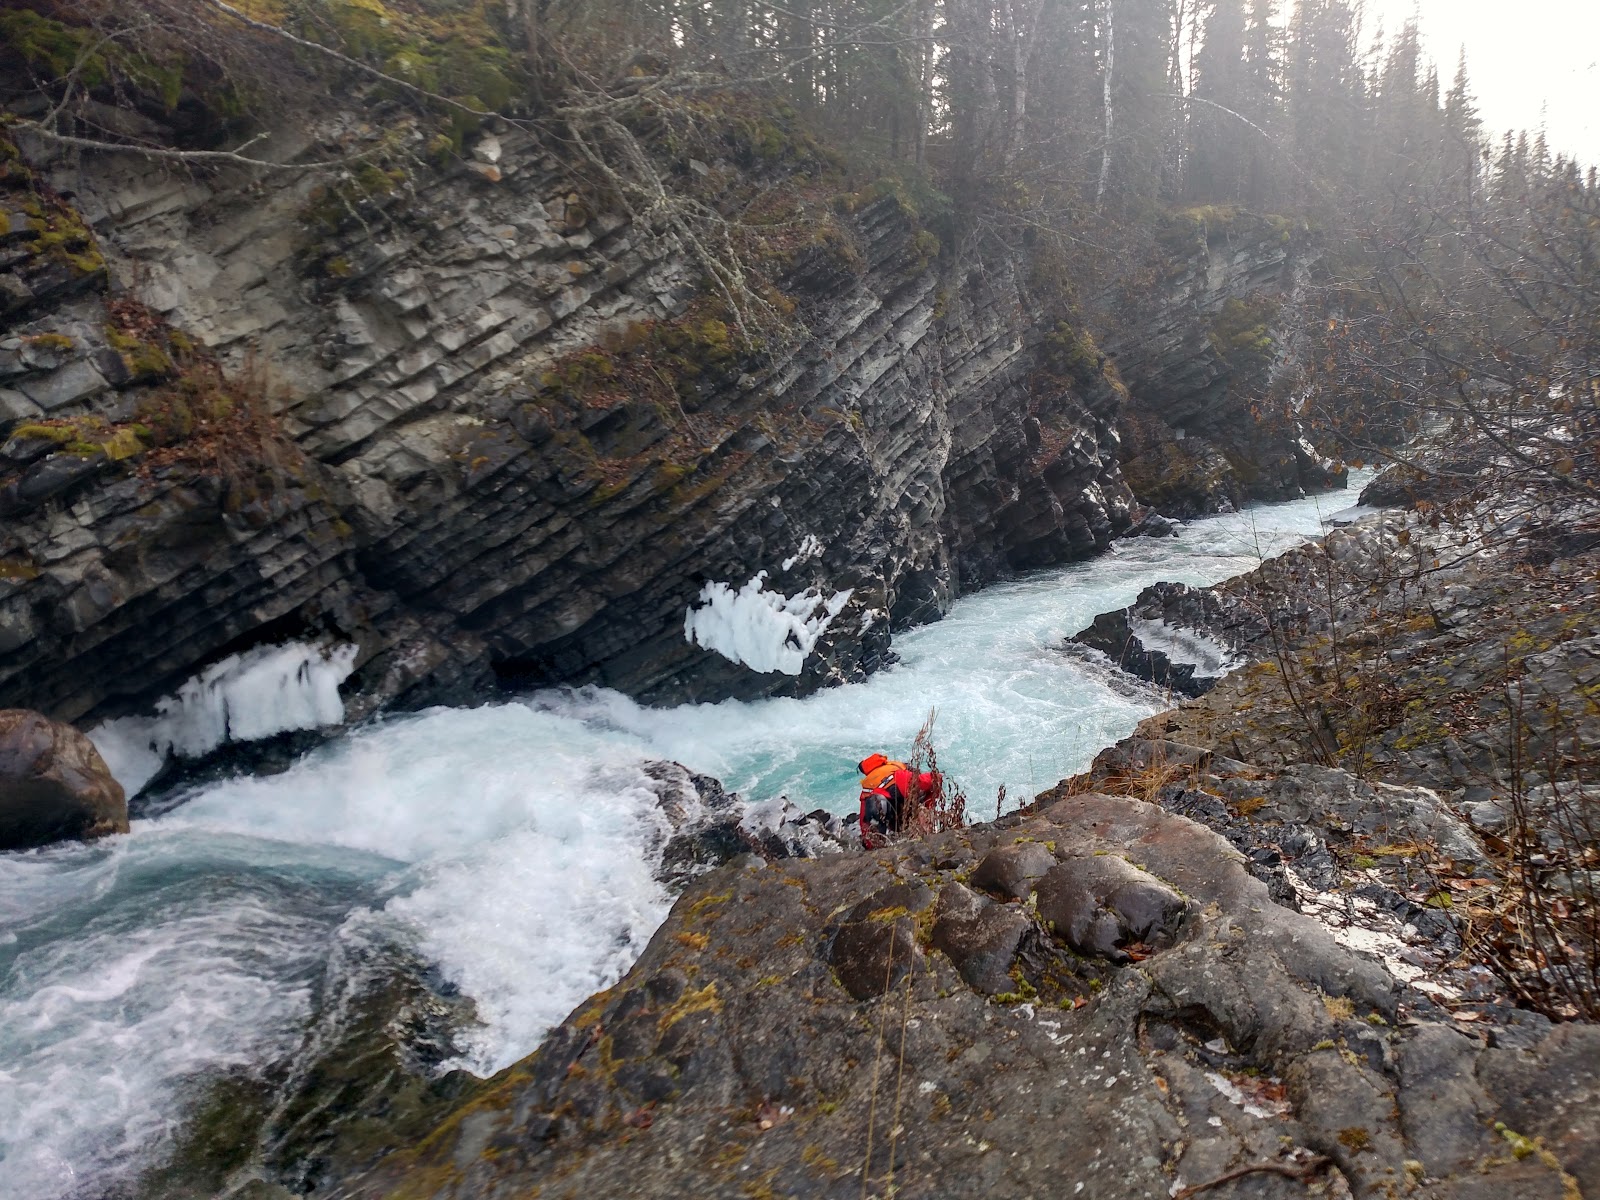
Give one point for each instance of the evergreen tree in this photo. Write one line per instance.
(1220, 141)
(1326, 94)
(1141, 33)
(1263, 61)
(1463, 147)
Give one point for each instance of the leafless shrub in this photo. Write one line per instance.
(1542, 932)
(949, 807)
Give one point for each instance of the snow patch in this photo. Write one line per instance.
(1360, 925)
(1349, 516)
(762, 815)
(1183, 646)
(766, 631)
(268, 690)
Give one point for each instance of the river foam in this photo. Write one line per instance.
(512, 845)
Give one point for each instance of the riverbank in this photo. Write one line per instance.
(1419, 717)
(1101, 996)
(510, 846)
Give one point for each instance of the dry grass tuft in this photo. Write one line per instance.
(949, 807)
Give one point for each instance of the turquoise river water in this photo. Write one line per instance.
(510, 845)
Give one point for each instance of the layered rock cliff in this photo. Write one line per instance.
(482, 428)
(448, 498)
(1207, 351)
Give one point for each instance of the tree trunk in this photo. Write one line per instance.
(1024, 16)
(1108, 75)
(925, 77)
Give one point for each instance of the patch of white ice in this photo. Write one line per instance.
(766, 631)
(1183, 646)
(1235, 1094)
(1359, 924)
(782, 818)
(268, 690)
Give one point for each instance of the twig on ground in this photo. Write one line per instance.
(1300, 1172)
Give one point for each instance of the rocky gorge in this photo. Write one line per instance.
(446, 470)
(1246, 952)
(288, 454)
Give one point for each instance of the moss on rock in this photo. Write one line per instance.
(1242, 335)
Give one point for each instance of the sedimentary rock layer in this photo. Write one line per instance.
(439, 508)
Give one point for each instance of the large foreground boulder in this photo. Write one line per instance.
(1091, 999)
(53, 784)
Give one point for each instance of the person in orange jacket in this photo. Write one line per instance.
(890, 793)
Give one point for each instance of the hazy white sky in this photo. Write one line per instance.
(1523, 57)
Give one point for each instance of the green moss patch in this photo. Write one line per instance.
(144, 360)
(654, 376)
(1069, 351)
(703, 1000)
(89, 435)
(1241, 334)
(52, 49)
(334, 204)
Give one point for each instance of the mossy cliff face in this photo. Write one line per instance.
(1201, 333)
(514, 441)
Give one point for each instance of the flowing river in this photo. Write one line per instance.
(510, 845)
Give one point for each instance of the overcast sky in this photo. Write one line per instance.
(1524, 57)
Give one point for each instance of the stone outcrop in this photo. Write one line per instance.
(1365, 858)
(439, 505)
(1173, 635)
(1095, 993)
(53, 784)
(1406, 738)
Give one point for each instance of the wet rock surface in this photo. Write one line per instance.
(1099, 905)
(441, 511)
(370, 1071)
(54, 785)
(1199, 351)
(810, 1028)
(711, 826)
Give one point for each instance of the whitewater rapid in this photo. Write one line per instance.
(512, 845)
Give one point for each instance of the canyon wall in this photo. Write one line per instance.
(433, 477)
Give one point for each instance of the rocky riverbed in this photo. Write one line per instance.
(1239, 955)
